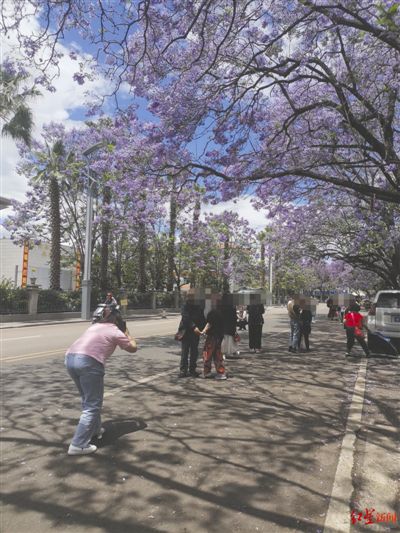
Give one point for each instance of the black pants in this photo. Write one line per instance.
(190, 344)
(255, 333)
(350, 341)
(306, 335)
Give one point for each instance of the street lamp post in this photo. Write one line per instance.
(270, 276)
(87, 282)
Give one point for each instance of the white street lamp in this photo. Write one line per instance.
(87, 282)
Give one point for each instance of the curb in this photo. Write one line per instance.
(11, 325)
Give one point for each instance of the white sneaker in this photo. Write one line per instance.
(220, 376)
(76, 450)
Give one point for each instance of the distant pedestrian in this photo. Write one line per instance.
(241, 318)
(110, 300)
(85, 360)
(255, 319)
(214, 332)
(353, 324)
(305, 319)
(192, 322)
(293, 310)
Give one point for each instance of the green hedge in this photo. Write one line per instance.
(59, 301)
(13, 301)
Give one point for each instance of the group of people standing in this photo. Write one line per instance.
(300, 317)
(219, 327)
(86, 358)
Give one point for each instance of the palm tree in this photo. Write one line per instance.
(53, 162)
(14, 112)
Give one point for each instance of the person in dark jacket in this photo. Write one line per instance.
(305, 319)
(255, 320)
(192, 322)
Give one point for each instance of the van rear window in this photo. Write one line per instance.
(389, 300)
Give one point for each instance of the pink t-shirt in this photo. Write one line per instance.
(99, 341)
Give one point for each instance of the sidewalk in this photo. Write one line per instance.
(55, 319)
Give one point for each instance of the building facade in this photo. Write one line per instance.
(21, 266)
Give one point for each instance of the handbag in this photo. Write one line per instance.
(358, 332)
(179, 334)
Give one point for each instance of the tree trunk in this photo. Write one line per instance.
(55, 220)
(196, 218)
(142, 249)
(262, 261)
(118, 251)
(105, 234)
(225, 277)
(171, 241)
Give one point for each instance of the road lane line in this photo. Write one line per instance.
(56, 351)
(338, 514)
(43, 352)
(21, 338)
(28, 357)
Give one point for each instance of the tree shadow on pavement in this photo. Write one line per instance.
(255, 452)
(117, 428)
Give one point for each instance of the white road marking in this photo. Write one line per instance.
(338, 515)
(56, 351)
(28, 356)
(21, 338)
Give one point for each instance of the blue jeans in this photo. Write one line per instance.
(294, 333)
(88, 375)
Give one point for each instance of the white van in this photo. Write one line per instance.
(384, 321)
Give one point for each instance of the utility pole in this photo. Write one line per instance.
(270, 276)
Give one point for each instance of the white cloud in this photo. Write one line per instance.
(47, 107)
(243, 206)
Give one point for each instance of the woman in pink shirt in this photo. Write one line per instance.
(85, 360)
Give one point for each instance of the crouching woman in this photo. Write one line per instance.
(85, 360)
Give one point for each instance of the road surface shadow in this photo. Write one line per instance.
(117, 428)
(255, 452)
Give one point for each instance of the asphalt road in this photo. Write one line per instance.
(290, 442)
(40, 343)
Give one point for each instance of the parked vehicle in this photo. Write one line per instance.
(98, 313)
(384, 323)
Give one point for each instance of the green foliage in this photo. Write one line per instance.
(14, 111)
(12, 300)
(388, 15)
(58, 301)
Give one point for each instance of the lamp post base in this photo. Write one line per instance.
(86, 293)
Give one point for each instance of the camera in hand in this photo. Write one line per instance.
(109, 313)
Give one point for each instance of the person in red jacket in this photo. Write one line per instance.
(353, 324)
